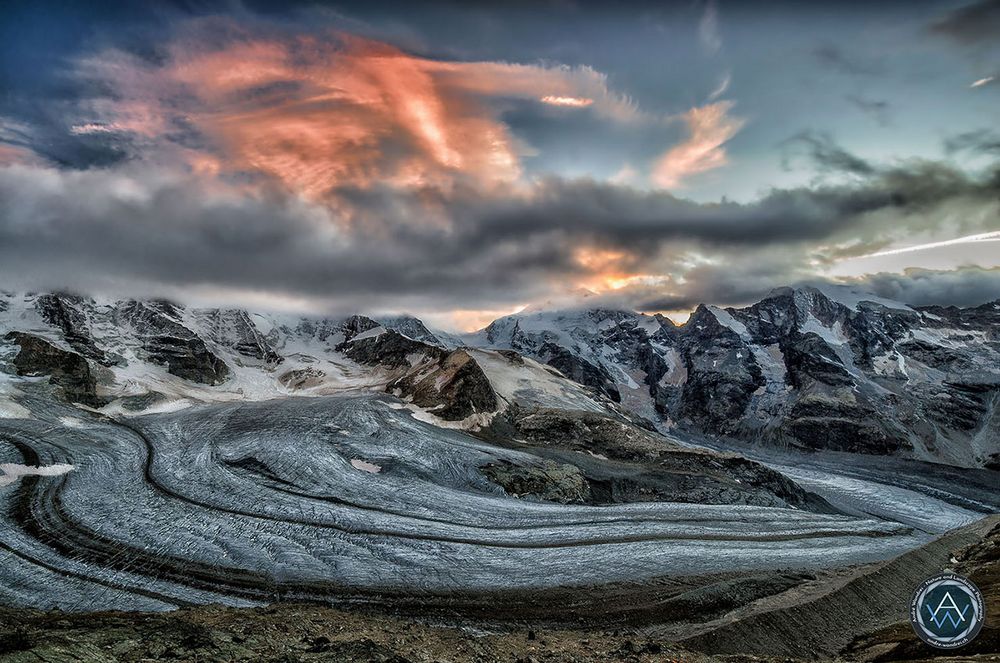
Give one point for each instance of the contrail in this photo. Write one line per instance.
(993, 236)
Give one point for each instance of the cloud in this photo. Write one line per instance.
(833, 57)
(981, 82)
(708, 28)
(313, 112)
(966, 286)
(709, 128)
(16, 154)
(95, 128)
(743, 284)
(982, 141)
(721, 88)
(463, 245)
(260, 165)
(310, 114)
(877, 109)
(738, 280)
(824, 152)
(573, 102)
(975, 23)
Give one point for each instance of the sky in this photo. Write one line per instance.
(462, 160)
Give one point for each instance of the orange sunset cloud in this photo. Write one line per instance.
(319, 113)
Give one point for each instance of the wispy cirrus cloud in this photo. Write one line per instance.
(722, 87)
(709, 127)
(315, 111)
(708, 28)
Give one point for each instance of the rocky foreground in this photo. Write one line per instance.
(803, 618)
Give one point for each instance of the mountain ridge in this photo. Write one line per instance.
(814, 367)
(811, 367)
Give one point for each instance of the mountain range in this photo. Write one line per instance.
(585, 460)
(818, 368)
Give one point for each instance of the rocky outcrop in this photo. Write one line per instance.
(961, 406)
(545, 480)
(818, 422)
(411, 327)
(301, 378)
(167, 342)
(384, 348)
(357, 325)
(580, 370)
(69, 371)
(65, 312)
(630, 464)
(234, 329)
(450, 385)
(810, 360)
(720, 377)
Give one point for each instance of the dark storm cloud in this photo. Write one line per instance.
(966, 286)
(466, 246)
(975, 23)
(736, 283)
(746, 284)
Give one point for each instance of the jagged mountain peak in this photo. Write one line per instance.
(413, 327)
(811, 365)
